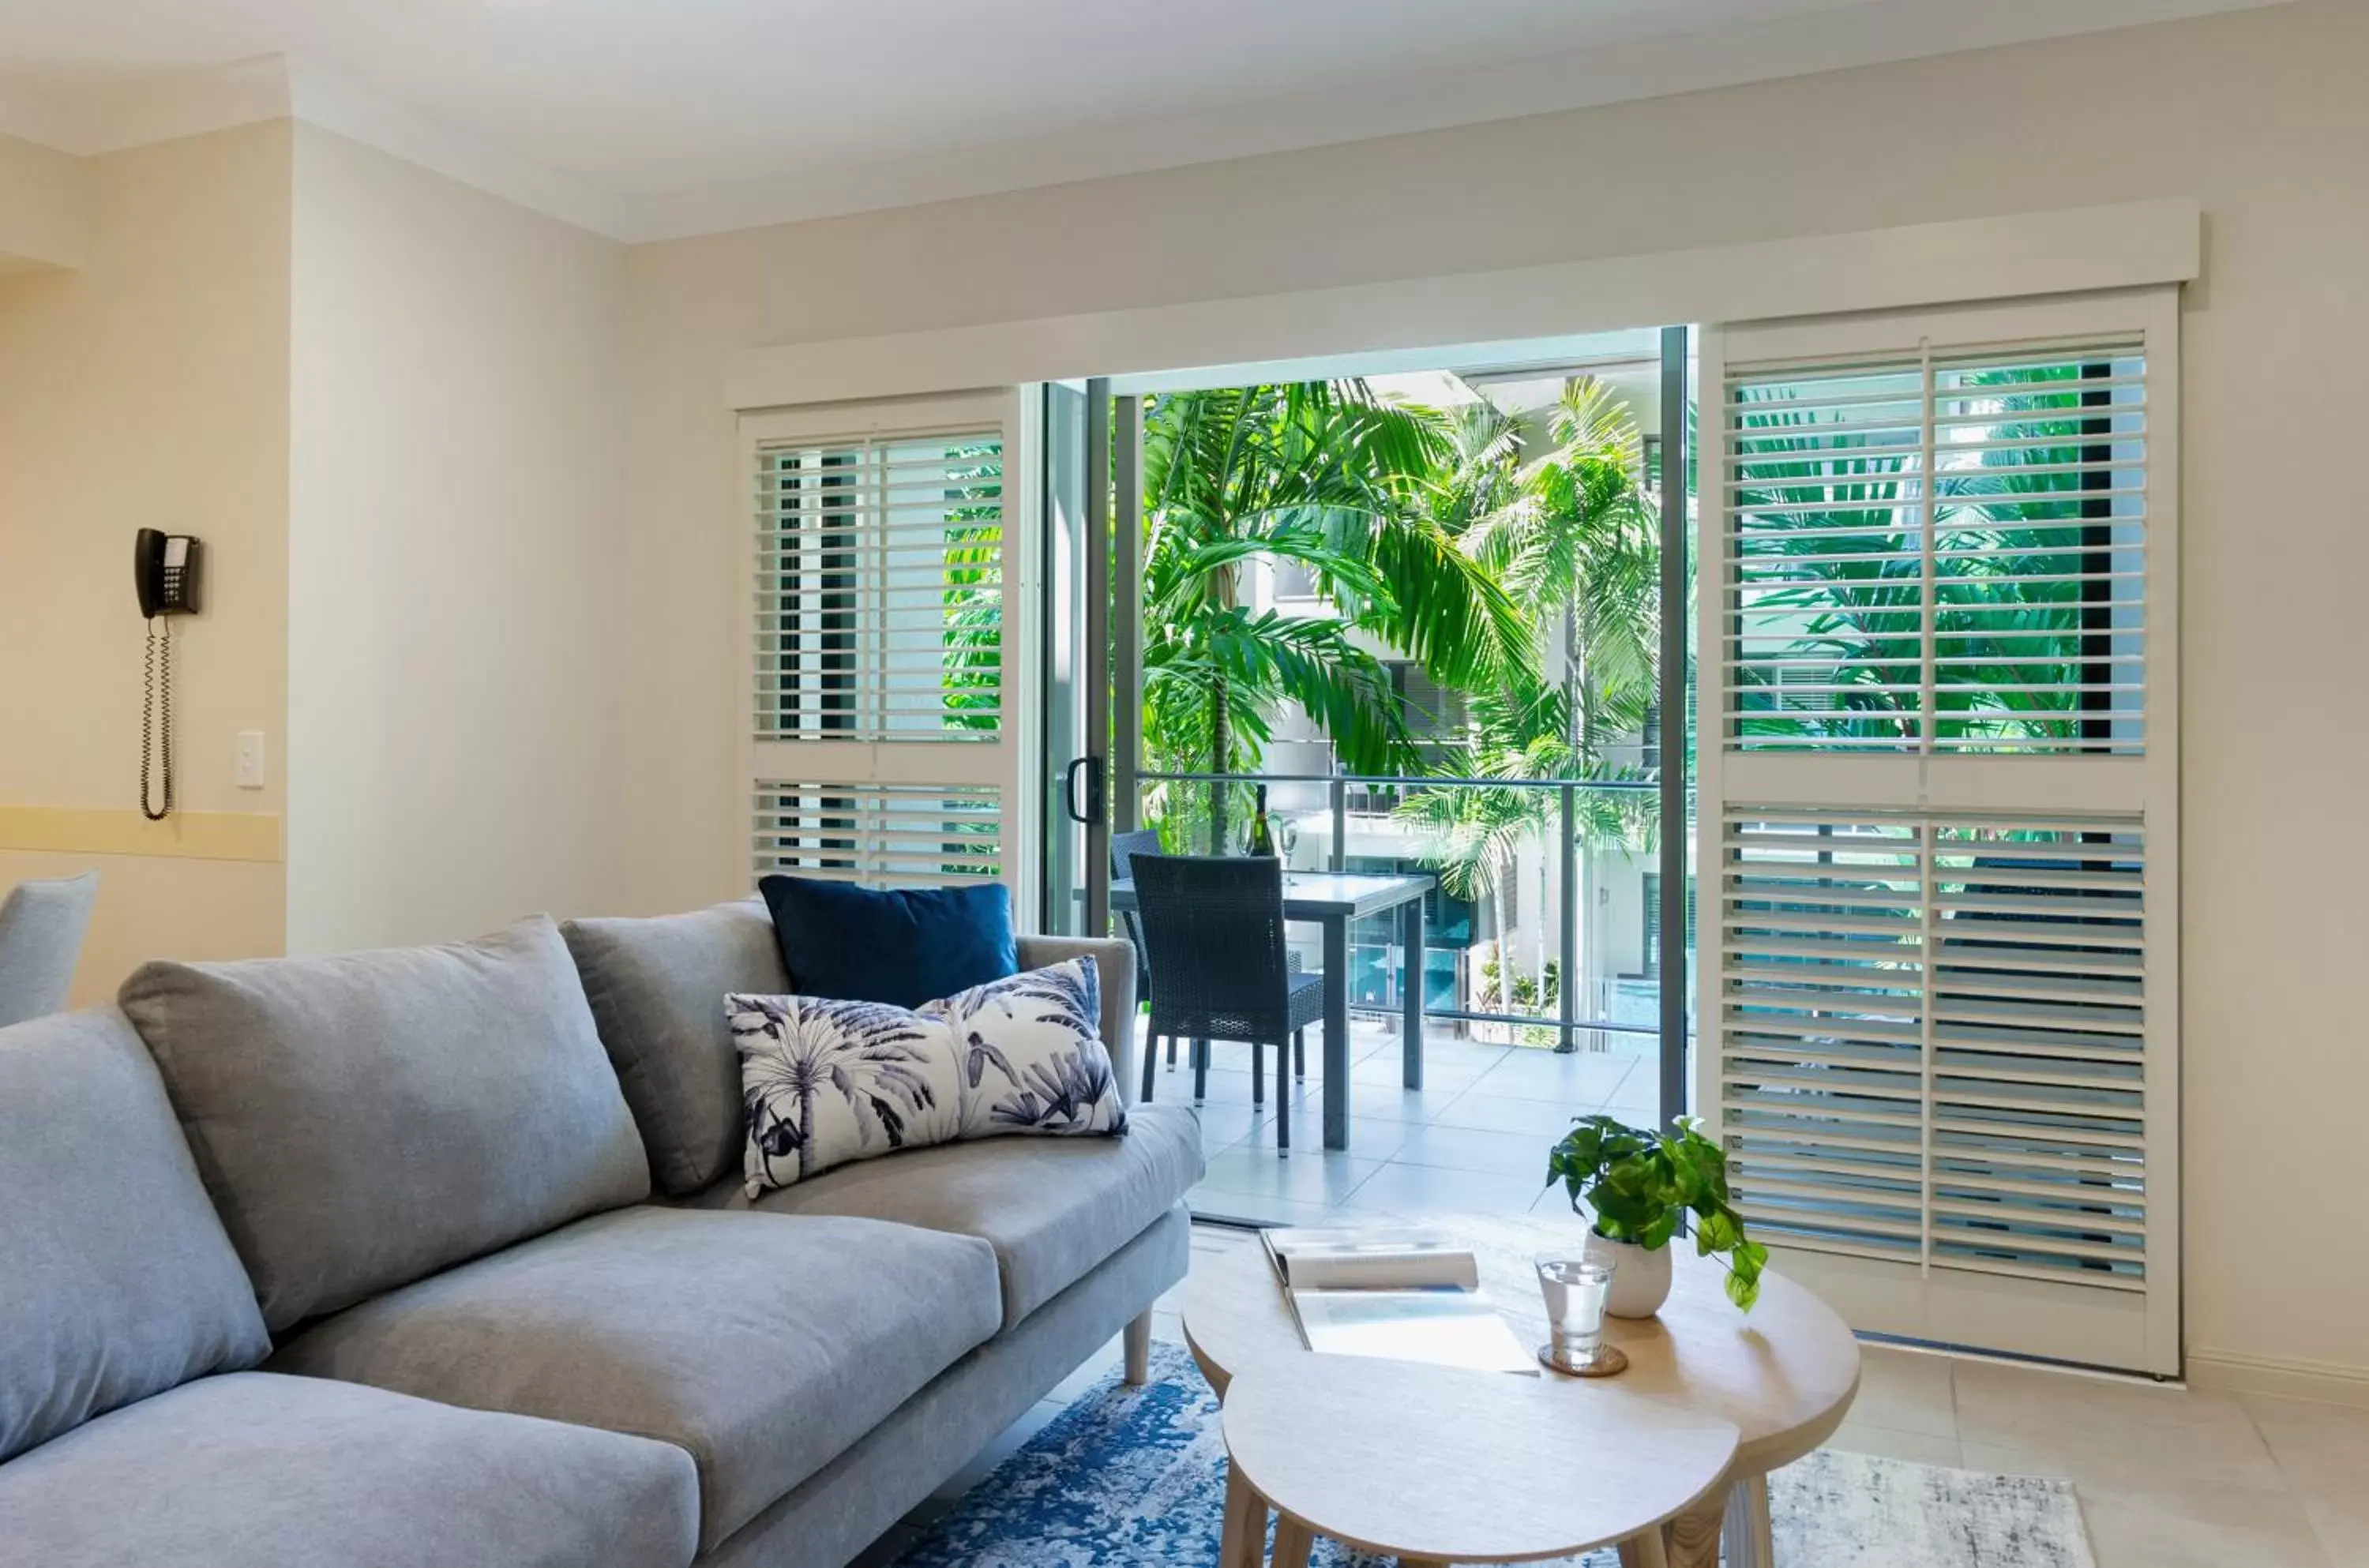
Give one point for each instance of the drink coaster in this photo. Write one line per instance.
(1610, 1360)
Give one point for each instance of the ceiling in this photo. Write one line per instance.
(645, 118)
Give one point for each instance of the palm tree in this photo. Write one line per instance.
(1577, 545)
(1575, 542)
(1324, 476)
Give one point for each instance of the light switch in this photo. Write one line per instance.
(250, 758)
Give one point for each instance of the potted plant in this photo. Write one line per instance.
(1638, 1187)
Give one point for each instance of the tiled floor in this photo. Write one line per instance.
(2168, 1477)
(1474, 1137)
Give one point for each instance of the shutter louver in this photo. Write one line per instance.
(1947, 554)
(879, 588)
(1940, 831)
(880, 835)
(883, 723)
(1932, 1040)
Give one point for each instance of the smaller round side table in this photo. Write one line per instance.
(1439, 1465)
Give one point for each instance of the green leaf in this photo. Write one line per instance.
(1641, 1186)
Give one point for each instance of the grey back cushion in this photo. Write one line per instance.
(658, 988)
(42, 927)
(116, 1280)
(366, 1120)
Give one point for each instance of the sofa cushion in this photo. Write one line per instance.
(658, 988)
(657, 985)
(1052, 1209)
(900, 945)
(365, 1120)
(827, 1081)
(262, 1472)
(116, 1280)
(1115, 971)
(764, 1346)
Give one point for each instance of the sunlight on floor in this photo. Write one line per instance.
(1474, 1138)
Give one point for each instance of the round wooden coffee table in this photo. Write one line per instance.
(1436, 1465)
(1784, 1375)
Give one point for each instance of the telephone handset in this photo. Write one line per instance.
(165, 578)
(165, 573)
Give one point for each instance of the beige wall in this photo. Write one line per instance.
(148, 388)
(455, 463)
(41, 221)
(2261, 116)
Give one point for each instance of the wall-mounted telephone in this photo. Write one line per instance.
(165, 578)
(164, 572)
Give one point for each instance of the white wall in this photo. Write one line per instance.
(454, 464)
(2261, 116)
(147, 387)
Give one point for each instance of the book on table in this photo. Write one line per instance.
(1393, 1293)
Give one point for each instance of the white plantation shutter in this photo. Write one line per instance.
(900, 835)
(1947, 554)
(1940, 816)
(883, 597)
(879, 587)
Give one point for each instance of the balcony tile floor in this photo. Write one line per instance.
(1474, 1137)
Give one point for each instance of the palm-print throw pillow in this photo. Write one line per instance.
(1032, 1058)
(824, 1081)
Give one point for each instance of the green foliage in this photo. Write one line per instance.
(1835, 514)
(1641, 1186)
(1576, 544)
(1323, 477)
(972, 685)
(1536, 997)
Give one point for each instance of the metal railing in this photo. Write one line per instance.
(1567, 1023)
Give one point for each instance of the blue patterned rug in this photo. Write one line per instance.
(1134, 1478)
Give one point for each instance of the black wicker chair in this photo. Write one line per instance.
(1213, 932)
(1124, 848)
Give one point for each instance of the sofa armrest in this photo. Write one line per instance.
(1115, 963)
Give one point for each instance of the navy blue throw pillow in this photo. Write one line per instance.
(903, 946)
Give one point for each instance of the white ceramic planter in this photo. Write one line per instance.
(1640, 1279)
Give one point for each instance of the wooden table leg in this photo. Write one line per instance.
(1747, 1533)
(1644, 1552)
(1243, 1543)
(1292, 1542)
(1336, 1032)
(1692, 1539)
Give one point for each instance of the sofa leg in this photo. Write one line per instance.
(1138, 1350)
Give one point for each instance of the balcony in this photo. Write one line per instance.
(1474, 1138)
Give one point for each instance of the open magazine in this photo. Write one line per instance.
(1399, 1295)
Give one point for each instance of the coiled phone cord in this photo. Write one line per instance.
(157, 693)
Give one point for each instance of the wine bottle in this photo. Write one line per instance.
(1262, 835)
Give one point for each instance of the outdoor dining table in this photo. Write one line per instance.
(1331, 899)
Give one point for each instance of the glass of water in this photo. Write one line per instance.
(1575, 1289)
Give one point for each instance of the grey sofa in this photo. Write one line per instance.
(438, 1256)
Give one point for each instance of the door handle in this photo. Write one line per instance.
(1090, 770)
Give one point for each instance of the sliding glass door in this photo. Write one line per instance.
(1424, 620)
